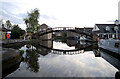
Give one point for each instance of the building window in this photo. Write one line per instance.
(113, 36)
(106, 36)
(107, 28)
(110, 35)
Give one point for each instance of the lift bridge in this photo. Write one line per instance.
(62, 29)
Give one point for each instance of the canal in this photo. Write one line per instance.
(64, 58)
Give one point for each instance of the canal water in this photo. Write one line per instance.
(67, 58)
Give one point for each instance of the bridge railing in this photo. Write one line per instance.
(67, 52)
(73, 29)
(63, 28)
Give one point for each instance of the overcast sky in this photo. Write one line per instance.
(61, 13)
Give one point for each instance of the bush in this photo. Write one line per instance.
(22, 51)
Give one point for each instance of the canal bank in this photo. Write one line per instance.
(10, 58)
(17, 43)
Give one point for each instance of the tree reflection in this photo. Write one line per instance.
(32, 60)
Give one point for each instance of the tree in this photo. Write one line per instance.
(8, 24)
(3, 25)
(32, 20)
(38, 28)
(29, 30)
(16, 32)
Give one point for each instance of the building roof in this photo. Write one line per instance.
(102, 28)
(44, 27)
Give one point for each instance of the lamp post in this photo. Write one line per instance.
(116, 28)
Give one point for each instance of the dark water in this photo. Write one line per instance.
(65, 59)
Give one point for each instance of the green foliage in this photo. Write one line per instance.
(22, 51)
(8, 24)
(16, 32)
(29, 30)
(38, 28)
(3, 25)
(32, 20)
(31, 59)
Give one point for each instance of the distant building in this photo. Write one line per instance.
(88, 29)
(106, 31)
(26, 36)
(85, 30)
(73, 34)
(3, 32)
(58, 34)
(45, 28)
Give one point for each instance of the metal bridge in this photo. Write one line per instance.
(61, 29)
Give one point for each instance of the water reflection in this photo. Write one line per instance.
(43, 51)
(63, 49)
(43, 60)
(31, 59)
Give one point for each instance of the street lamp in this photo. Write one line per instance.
(117, 22)
(116, 28)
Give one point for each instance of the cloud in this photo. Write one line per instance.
(111, 21)
(44, 16)
(12, 11)
(68, 13)
(8, 12)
